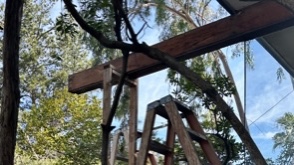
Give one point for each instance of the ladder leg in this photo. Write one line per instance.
(205, 144)
(170, 140)
(114, 149)
(182, 133)
(145, 141)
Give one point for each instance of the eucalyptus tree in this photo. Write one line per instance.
(62, 128)
(176, 17)
(284, 139)
(47, 54)
(10, 90)
(133, 45)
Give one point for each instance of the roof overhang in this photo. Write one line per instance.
(279, 44)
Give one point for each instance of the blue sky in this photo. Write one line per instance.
(263, 91)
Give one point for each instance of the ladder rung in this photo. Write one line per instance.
(159, 148)
(196, 136)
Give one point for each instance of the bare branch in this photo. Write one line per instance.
(128, 24)
(169, 61)
(96, 34)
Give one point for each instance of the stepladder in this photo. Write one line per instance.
(183, 125)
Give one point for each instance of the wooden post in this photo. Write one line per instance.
(106, 129)
(133, 119)
(107, 85)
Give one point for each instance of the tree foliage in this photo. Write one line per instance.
(131, 44)
(285, 139)
(63, 127)
(10, 93)
(184, 16)
(54, 126)
(47, 55)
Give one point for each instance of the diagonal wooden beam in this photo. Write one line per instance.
(257, 20)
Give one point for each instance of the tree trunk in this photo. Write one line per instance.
(10, 91)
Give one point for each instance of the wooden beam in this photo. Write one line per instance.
(257, 20)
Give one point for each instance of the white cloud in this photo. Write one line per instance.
(267, 97)
(151, 88)
(267, 135)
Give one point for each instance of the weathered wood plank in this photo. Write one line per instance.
(184, 138)
(133, 120)
(170, 142)
(114, 146)
(107, 79)
(254, 21)
(145, 142)
(205, 144)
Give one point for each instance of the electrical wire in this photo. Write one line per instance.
(271, 107)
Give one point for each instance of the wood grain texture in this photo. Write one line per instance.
(184, 137)
(107, 79)
(206, 146)
(145, 142)
(170, 142)
(254, 21)
(133, 120)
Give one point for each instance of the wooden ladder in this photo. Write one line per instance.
(172, 110)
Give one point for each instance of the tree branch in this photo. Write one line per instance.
(96, 34)
(186, 72)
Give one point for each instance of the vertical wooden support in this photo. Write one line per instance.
(106, 129)
(133, 119)
(205, 144)
(170, 140)
(130, 135)
(145, 142)
(107, 84)
(183, 135)
(114, 148)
